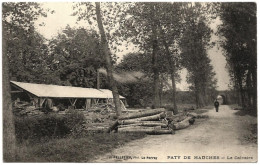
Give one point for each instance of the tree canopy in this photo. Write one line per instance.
(239, 47)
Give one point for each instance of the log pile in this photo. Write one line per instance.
(151, 121)
(154, 121)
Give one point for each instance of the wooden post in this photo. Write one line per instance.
(75, 102)
(88, 103)
(42, 101)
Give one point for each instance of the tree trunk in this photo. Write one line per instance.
(98, 79)
(109, 66)
(249, 89)
(9, 142)
(171, 69)
(151, 124)
(201, 99)
(147, 118)
(196, 90)
(181, 125)
(197, 100)
(238, 96)
(142, 114)
(161, 91)
(150, 131)
(156, 101)
(141, 122)
(241, 90)
(254, 90)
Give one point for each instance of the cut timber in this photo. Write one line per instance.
(176, 118)
(153, 124)
(138, 127)
(112, 127)
(147, 131)
(202, 116)
(142, 114)
(181, 125)
(96, 130)
(147, 118)
(142, 122)
(195, 115)
(192, 114)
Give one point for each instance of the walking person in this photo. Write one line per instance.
(216, 104)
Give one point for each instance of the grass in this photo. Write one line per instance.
(82, 149)
(241, 111)
(235, 107)
(252, 137)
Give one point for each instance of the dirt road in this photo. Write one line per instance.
(218, 138)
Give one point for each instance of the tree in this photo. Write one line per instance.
(17, 21)
(170, 32)
(239, 46)
(75, 57)
(194, 43)
(140, 26)
(105, 49)
(140, 91)
(8, 121)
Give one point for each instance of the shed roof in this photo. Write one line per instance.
(56, 91)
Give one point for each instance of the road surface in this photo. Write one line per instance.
(216, 139)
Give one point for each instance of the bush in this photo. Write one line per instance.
(48, 126)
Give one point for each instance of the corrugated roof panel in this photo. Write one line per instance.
(44, 90)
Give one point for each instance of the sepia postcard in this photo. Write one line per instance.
(118, 82)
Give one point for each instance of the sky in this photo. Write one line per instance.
(54, 23)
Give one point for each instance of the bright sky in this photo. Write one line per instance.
(54, 23)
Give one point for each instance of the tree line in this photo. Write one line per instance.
(168, 34)
(239, 48)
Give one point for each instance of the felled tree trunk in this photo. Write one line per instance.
(126, 122)
(147, 118)
(151, 131)
(142, 113)
(176, 118)
(112, 127)
(151, 124)
(181, 125)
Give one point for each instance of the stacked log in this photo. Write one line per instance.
(151, 121)
(154, 121)
(142, 113)
(183, 124)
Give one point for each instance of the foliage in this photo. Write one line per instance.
(139, 92)
(194, 44)
(48, 126)
(17, 20)
(75, 57)
(239, 46)
(25, 48)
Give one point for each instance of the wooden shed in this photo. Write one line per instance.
(42, 94)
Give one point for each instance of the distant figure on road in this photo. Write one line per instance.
(216, 104)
